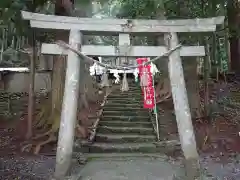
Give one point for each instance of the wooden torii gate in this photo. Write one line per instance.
(124, 28)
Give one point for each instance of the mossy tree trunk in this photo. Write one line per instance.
(63, 8)
(190, 73)
(233, 12)
(33, 57)
(192, 85)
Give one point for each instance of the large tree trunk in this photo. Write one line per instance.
(192, 85)
(88, 87)
(58, 79)
(33, 56)
(62, 7)
(190, 72)
(49, 116)
(233, 12)
(31, 96)
(163, 87)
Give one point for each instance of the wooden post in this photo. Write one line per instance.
(207, 61)
(124, 45)
(31, 92)
(69, 108)
(182, 110)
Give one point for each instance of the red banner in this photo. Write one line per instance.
(148, 91)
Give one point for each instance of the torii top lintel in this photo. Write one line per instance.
(116, 26)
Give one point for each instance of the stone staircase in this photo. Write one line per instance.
(125, 127)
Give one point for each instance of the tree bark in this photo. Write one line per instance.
(233, 12)
(190, 74)
(192, 85)
(31, 95)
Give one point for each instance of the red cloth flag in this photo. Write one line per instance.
(148, 90)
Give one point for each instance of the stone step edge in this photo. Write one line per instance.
(126, 128)
(127, 122)
(117, 105)
(117, 136)
(92, 156)
(126, 110)
(121, 117)
(137, 144)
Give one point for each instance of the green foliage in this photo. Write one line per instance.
(14, 31)
(145, 9)
(137, 9)
(11, 14)
(222, 55)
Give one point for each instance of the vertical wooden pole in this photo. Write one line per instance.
(31, 93)
(69, 108)
(207, 61)
(124, 43)
(182, 110)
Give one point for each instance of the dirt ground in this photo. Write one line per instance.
(13, 133)
(218, 138)
(18, 165)
(220, 134)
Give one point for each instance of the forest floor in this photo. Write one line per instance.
(217, 140)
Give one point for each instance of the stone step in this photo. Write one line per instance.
(168, 146)
(128, 130)
(123, 102)
(124, 138)
(126, 95)
(125, 105)
(124, 113)
(131, 87)
(128, 99)
(122, 148)
(121, 155)
(125, 118)
(125, 124)
(122, 108)
(132, 90)
(124, 99)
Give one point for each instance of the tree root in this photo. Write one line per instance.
(48, 121)
(42, 119)
(80, 131)
(83, 132)
(42, 135)
(27, 147)
(51, 138)
(163, 91)
(30, 145)
(45, 119)
(163, 98)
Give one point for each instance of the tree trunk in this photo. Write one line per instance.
(192, 85)
(58, 81)
(233, 12)
(31, 95)
(31, 99)
(62, 7)
(190, 73)
(88, 87)
(162, 65)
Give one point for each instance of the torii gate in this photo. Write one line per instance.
(124, 28)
